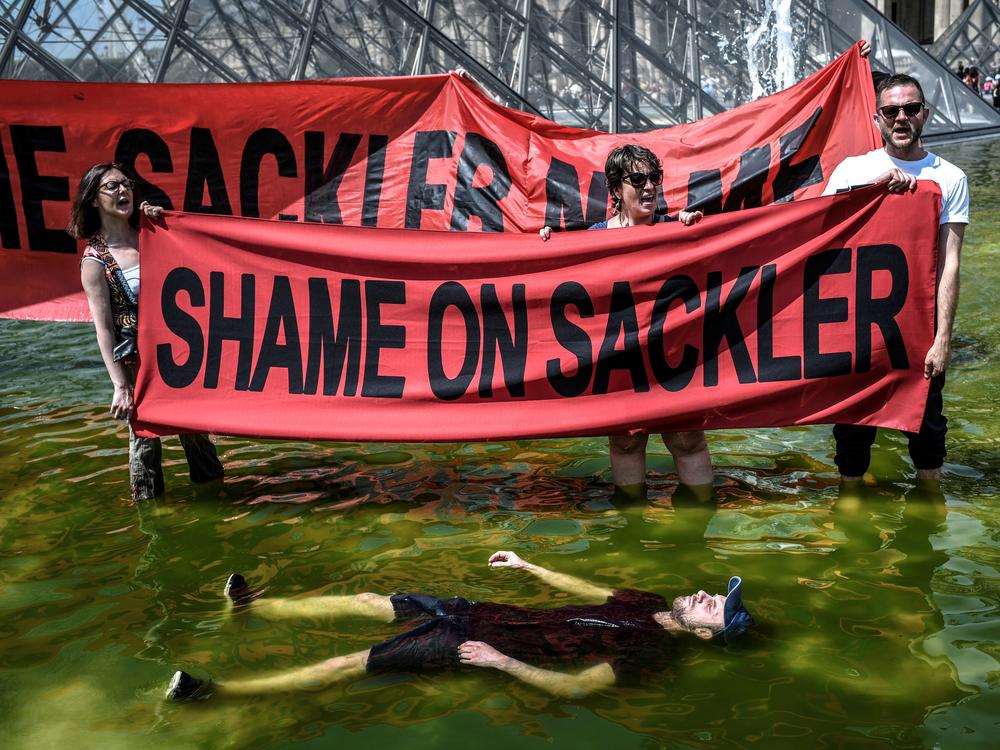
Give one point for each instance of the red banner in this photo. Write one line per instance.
(814, 311)
(431, 152)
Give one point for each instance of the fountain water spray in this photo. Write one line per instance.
(772, 35)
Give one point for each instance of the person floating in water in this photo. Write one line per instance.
(618, 639)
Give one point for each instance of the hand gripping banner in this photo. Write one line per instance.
(813, 311)
(430, 152)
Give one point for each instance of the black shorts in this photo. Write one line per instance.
(430, 646)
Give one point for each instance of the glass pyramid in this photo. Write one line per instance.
(973, 39)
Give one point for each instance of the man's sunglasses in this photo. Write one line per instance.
(638, 179)
(911, 109)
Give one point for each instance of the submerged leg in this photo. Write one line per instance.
(373, 606)
(145, 466)
(312, 677)
(183, 687)
(691, 457)
(202, 457)
(854, 450)
(927, 447)
(145, 460)
(628, 462)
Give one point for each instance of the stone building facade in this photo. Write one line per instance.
(924, 20)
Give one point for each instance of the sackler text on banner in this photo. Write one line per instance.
(426, 152)
(813, 311)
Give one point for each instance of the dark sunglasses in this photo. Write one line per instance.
(911, 109)
(638, 179)
(112, 186)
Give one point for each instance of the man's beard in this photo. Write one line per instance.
(914, 133)
(679, 613)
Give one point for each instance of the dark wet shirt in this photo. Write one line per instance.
(620, 632)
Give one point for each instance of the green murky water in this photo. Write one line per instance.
(879, 614)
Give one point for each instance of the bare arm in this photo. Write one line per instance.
(562, 581)
(950, 238)
(99, 298)
(563, 684)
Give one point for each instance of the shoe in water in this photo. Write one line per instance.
(184, 687)
(238, 592)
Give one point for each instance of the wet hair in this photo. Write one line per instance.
(621, 161)
(84, 218)
(899, 79)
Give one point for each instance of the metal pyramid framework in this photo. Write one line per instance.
(973, 39)
(617, 65)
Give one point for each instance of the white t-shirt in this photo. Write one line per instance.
(861, 170)
(132, 279)
(131, 274)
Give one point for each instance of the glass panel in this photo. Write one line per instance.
(380, 38)
(665, 29)
(651, 96)
(24, 66)
(722, 57)
(657, 67)
(10, 8)
(973, 39)
(489, 32)
(811, 39)
(579, 33)
(440, 60)
(256, 40)
(940, 95)
(973, 111)
(166, 9)
(856, 19)
(323, 63)
(565, 94)
(185, 67)
(98, 42)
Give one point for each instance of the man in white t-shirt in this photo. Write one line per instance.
(900, 115)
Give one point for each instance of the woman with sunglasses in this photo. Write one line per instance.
(634, 173)
(105, 214)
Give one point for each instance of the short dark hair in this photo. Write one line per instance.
(84, 219)
(898, 79)
(877, 77)
(622, 159)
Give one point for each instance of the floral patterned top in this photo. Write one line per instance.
(124, 305)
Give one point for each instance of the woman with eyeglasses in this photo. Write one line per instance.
(634, 173)
(105, 214)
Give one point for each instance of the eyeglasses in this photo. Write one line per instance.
(638, 179)
(113, 186)
(911, 109)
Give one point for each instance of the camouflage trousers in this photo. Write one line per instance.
(145, 460)
(145, 463)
